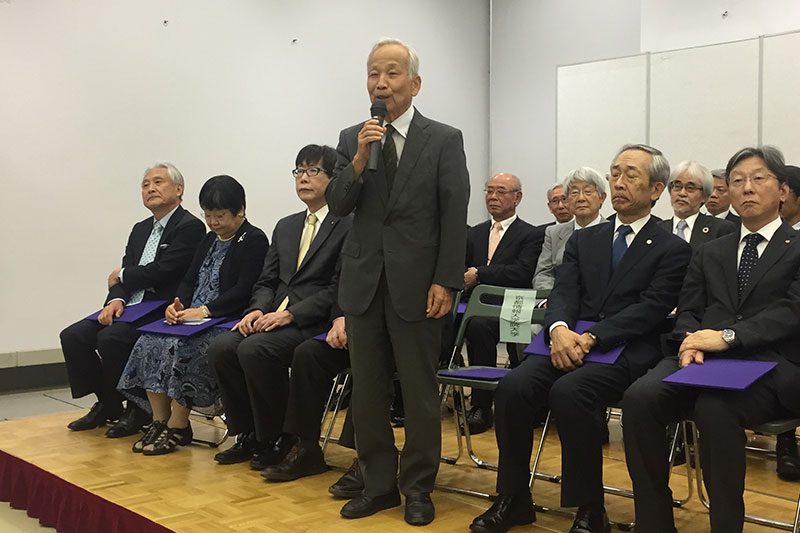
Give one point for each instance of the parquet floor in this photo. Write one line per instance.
(188, 492)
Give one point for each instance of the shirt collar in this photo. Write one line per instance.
(321, 213)
(402, 122)
(796, 226)
(505, 223)
(165, 219)
(690, 220)
(766, 231)
(636, 225)
(594, 222)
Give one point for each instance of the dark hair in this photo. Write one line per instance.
(314, 153)
(222, 192)
(792, 178)
(770, 154)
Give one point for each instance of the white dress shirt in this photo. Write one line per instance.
(690, 220)
(767, 231)
(401, 125)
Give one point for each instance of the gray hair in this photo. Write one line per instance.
(718, 173)
(413, 58)
(556, 185)
(695, 170)
(771, 155)
(659, 166)
(174, 174)
(588, 175)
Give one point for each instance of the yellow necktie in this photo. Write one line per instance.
(305, 244)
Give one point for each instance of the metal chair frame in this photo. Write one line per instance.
(210, 413)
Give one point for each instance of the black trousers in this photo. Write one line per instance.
(253, 376)
(314, 365)
(96, 355)
(574, 398)
(650, 404)
(482, 335)
(379, 342)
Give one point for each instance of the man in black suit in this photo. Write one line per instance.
(741, 300)
(399, 266)
(719, 201)
(502, 251)
(290, 302)
(689, 186)
(625, 276)
(158, 252)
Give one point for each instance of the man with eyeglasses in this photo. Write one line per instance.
(501, 251)
(290, 302)
(740, 300)
(689, 186)
(558, 205)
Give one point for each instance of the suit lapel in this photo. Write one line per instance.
(640, 246)
(507, 242)
(777, 246)
(416, 140)
(603, 250)
(325, 229)
(294, 232)
(482, 244)
(700, 231)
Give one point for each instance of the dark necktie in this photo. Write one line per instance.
(748, 260)
(390, 156)
(620, 245)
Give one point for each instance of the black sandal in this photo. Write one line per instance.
(169, 440)
(154, 431)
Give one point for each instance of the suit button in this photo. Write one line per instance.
(738, 317)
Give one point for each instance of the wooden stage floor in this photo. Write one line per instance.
(188, 492)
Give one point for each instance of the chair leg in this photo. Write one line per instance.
(326, 437)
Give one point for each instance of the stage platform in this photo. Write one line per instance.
(66, 476)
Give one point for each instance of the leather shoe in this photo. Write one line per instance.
(246, 445)
(98, 415)
(351, 484)
(419, 509)
(788, 460)
(130, 423)
(591, 519)
(505, 513)
(479, 419)
(362, 505)
(300, 462)
(272, 454)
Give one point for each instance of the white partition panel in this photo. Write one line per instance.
(781, 108)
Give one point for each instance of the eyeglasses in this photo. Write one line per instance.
(310, 172)
(558, 200)
(589, 191)
(500, 192)
(737, 181)
(678, 186)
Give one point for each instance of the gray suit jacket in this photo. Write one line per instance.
(555, 240)
(415, 233)
(706, 228)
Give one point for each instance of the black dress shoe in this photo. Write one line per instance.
(788, 460)
(246, 445)
(419, 509)
(300, 462)
(98, 415)
(351, 484)
(130, 423)
(479, 419)
(505, 513)
(591, 519)
(272, 454)
(362, 506)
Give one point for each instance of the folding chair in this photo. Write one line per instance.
(210, 413)
(341, 384)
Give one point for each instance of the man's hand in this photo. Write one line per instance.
(470, 278)
(113, 278)
(440, 300)
(567, 348)
(172, 313)
(273, 320)
(370, 132)
(246, 324)
(111, 311)
(687, 357)
(337, 336)
(705, 340)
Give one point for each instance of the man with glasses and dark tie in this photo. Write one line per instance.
(625, 277)
(689, 185)
(741, 300)
(290, 302)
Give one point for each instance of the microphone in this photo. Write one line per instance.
(378, 110)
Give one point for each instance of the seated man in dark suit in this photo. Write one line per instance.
(625, 276)
(157, 255)
(719, 202)
(689, 186)
(291, 302)
(790, 210)
(501, 251)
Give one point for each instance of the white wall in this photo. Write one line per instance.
(95, 91)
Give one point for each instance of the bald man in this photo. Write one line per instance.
(502, 251)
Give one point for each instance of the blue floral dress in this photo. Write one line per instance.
(178, 366)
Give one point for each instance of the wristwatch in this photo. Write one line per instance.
(729, 336)
(206, 312)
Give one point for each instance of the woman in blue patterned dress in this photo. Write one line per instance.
(174, 370)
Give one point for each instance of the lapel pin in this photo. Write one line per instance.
(705, 230)
(788, 241)
(649, 241)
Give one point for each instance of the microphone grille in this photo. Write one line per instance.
(378, 109)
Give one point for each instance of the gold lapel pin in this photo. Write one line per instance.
(788, 241)
(705, 230)
(649, 241)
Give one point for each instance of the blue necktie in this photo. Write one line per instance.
(148, 254)
(620, 245)
(748, 260)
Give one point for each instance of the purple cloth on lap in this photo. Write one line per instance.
(539, 347)
(226, 325)
(132, 313)
(179, 330)
(486, 373)
(733, 374)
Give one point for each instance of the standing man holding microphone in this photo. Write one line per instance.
(400, 263)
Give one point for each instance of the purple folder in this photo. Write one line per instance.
(462, 308)
(179, 330)
(487, 373)
(539, 347)
(321, 337)
(226, 325)
(733, 374)
(132, 313)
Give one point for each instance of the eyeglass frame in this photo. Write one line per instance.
(310, 172)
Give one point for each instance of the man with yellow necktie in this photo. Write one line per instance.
(291, 302)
